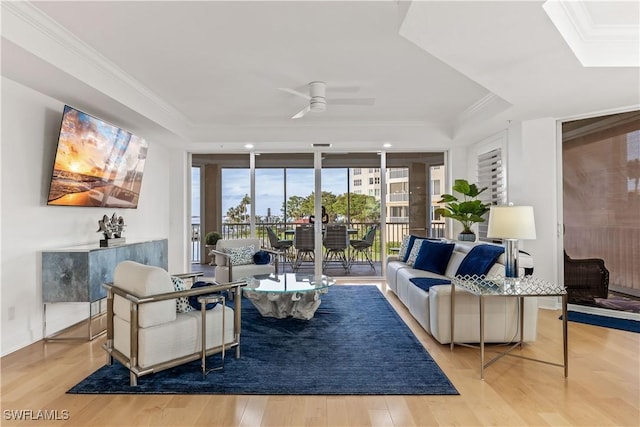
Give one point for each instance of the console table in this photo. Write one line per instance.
(76, 274)
(521, 287)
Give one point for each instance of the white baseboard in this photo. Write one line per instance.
(604, 312)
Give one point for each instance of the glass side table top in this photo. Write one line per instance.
(508, 286)
(288, 283)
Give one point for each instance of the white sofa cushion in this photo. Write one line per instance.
(179, 338)
(143, 280)
(242, 272)
(501, 317)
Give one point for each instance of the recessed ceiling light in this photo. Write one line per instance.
(248, 145)
(386, 145)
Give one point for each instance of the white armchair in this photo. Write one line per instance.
(146, 334)
(234, 260)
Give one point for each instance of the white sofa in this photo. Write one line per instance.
(161, 337)
(432, 308)
(227, 253)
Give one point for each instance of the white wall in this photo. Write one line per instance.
(30, 125)
(534, 165)
(179, 211)
(457, 168)
(532, 179)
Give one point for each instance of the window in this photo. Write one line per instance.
(435, 187)
(396, 173)
(374, 180)
(357, 182)
(357, 171)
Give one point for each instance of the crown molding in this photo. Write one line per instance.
(596, 44)
(31, 29)
(486, 107)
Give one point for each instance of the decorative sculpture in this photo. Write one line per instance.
(112, 229)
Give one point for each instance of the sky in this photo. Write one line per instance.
(269, 187)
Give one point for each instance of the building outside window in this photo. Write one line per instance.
(435, 189)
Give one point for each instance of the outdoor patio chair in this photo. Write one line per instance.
(304, 242)
(282, 246)
(336, 242)
(363, 246)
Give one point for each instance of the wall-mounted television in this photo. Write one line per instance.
(96, 163)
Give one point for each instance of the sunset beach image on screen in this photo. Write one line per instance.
(96, 163)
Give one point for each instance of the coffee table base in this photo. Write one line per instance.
(300, 305)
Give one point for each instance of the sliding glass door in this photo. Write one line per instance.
(244, 194)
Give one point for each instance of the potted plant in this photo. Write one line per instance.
(211, 238)
(467, 211)
(210, 241)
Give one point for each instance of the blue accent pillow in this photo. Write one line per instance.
(425, 283)
(193, 300)
(262, 257)
(434, 257)
(479, 260)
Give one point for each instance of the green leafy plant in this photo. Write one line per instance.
(212, 237)
(467, 211)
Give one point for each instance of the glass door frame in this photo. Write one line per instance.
(317, 189)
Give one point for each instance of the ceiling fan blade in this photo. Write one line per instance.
(302, 112)
(294, 92)
(344, 88)
(352, 101)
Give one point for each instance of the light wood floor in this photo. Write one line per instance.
(602, 389)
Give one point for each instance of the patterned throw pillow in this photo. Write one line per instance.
(404, 245)
(242, 255)
(182, 305)
(411, 259)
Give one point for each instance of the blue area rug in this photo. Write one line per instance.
(604, 321)
(355, 344)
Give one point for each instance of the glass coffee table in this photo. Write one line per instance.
(287, 295)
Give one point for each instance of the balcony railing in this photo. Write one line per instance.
(399, 197)
(395, 231)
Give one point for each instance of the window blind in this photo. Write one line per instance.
(490, 175)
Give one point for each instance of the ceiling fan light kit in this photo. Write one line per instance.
(318, 104)
(318, 100)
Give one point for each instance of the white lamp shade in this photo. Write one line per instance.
(511, 222)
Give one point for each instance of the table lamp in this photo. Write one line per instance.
(511, 223)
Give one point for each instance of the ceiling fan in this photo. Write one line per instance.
(318, 99)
